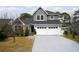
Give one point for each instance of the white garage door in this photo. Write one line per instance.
(48, 31)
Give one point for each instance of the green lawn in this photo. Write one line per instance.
(70, 36)
(20, 45)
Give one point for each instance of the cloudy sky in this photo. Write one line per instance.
(14, 11)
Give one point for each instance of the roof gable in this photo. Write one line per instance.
(18, 21)
(39, 9)
(47, 12)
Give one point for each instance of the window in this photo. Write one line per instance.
(38, 17)
(19, 28)
(50, 27)
(37, 27)
(41, 17)
(51, 16)
(15, 28)
(41, 27)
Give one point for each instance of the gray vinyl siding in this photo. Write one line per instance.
(40, 12)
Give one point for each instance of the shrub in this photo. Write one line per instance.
(3, 36)
(70, 31)
(21, 33)
(7, 29)
(34, 31)
(26, 32)
(65, 32)
(75, 33)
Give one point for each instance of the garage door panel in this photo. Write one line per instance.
(48, 31)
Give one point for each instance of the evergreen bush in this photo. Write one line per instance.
(26, 32)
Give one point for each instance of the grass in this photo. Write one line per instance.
(20, 45)
(70, 36)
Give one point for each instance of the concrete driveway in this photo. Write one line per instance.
(44, 43)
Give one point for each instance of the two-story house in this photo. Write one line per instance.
(45, 22)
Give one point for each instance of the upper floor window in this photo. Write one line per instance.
(51, 16)
(38, 17)
(41, 17)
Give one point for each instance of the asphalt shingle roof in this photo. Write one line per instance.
(51, 13)
(28, 21)
(4, 21)
(47, 22)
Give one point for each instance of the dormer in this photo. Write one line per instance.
(40, 15)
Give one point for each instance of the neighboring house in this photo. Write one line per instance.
(4, 22)
(45, 22)
(20, 26)
(76, 16)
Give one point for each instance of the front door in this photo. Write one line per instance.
(32, 28)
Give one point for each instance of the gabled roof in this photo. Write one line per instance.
(31, 21)
(28, 21)
(50, 13)
(18, 21)
(47, 12)
(41, 9)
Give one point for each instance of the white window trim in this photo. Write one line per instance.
(40, 17)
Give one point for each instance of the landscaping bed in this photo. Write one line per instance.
(21, 44)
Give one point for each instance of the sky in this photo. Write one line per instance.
(14, 11)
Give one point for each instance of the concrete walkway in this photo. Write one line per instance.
(54, 44)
